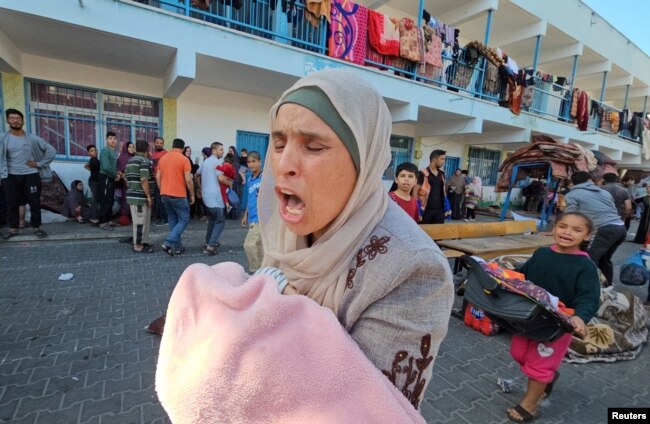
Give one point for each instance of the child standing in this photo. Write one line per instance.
(229, 171)
(566, 271)
(473, 193)
(400, 191)
(253, 243)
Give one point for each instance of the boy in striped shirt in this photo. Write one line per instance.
(140, 185)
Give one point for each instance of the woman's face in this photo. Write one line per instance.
(314, 172)
(231, 150)
(131, 149)
(188, 152)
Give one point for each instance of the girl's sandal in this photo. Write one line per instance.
(524, 416)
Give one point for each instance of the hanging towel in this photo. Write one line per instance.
(583, 111)
(408, 40)
(348, 31)
(383, 34)
(234, 350)
(317, 8)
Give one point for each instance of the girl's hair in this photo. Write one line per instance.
(584, 245)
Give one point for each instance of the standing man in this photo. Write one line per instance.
(24, 161)
(598, 205)
(159, 213)
(431, 189)
(108, 175)
(174, 178)
(212, 199)
(140, 184)
(622, 198)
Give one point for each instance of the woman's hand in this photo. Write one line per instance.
(580, 329)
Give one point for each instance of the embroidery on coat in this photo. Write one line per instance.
(412, 375)
(377, 245)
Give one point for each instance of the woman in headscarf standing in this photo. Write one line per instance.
(473, 194)
(455, 189)
(335, 246)
(127, 152)
(328, 225)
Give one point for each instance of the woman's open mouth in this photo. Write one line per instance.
(291, 206)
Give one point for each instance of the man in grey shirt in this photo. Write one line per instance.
(597, 204)
(24, 160)
(622, 198)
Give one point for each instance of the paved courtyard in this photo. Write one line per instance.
(76, 351)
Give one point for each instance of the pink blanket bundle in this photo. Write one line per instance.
(236, 351)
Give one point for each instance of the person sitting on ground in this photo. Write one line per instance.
(401, 191)
(335, 243)
(75, 205)
(229, 171)
(566, 271)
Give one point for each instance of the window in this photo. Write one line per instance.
(401, 149)
(72, 118)
(484, 163)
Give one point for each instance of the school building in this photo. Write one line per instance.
(206, 70)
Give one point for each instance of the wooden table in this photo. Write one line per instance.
(491, 247)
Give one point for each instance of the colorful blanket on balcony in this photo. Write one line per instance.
(234, 350)
(383, 34)
(348, 31)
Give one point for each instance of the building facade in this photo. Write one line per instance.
(210, 70)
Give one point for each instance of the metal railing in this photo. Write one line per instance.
(478, 78)
(263, 18)
(456, 74)
(550, 99)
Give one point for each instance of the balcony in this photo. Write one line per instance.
(461, 72)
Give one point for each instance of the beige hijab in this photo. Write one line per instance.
(320, 271)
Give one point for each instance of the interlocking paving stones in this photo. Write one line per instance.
(76, 352)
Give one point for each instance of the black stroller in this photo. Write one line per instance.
(511, 311)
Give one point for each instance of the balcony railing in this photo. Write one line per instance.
(263, 18)
(292, 26)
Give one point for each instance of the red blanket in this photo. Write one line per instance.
(383, 34)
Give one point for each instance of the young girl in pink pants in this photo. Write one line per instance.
(566, 271)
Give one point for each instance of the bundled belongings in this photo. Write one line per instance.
(564, 159)
(617, 332)
(606, 165)
(513, 303)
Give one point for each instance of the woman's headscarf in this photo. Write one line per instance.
(320, 271)
(124, 157)
(235, 159)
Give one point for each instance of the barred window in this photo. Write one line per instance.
(72, 118)
(484, 163)
(401, 150)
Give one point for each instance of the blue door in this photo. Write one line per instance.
(250, 141)
(253, 141)
(452, 163)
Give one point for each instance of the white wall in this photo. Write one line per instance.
(206, 114)
(90, 76)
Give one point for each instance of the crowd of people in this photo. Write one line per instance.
(320, 225)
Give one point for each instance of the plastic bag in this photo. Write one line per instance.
(634, 271)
